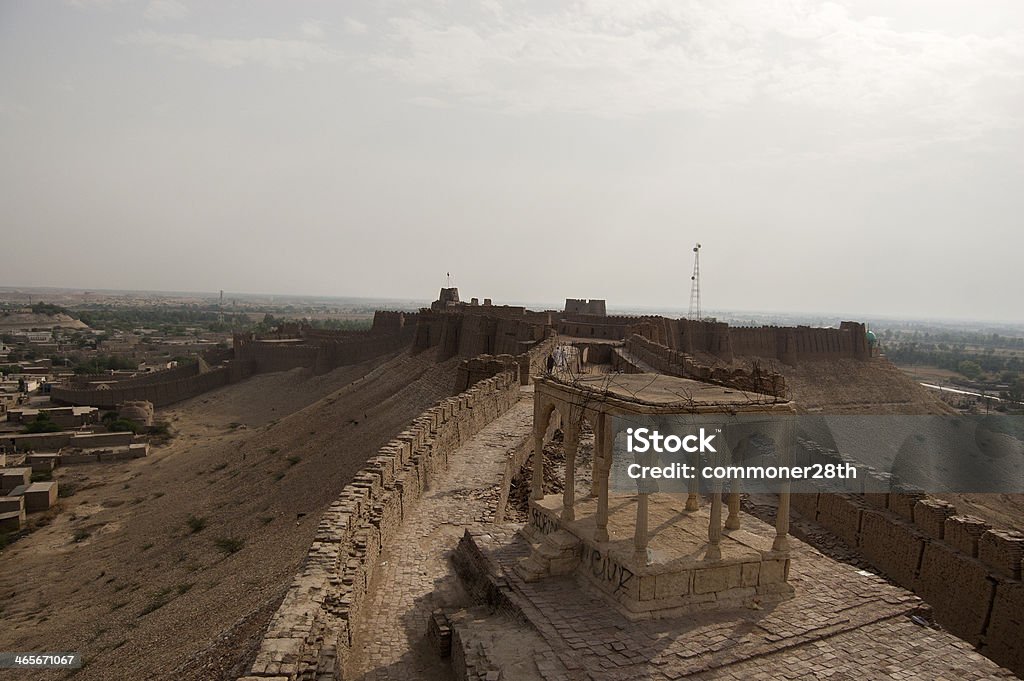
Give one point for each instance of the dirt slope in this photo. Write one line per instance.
(146, 594)
(851, 386)
(14, 321)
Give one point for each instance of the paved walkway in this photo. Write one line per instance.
(844, 623)
(413, 575)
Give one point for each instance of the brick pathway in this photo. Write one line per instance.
(844, 623)
(413, 575)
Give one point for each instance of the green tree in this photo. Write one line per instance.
(42, 424)
(970, 369)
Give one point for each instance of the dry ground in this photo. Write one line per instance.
(929, 374)
(181, 558)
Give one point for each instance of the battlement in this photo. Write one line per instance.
(675, 363)
(967, 571)
(595, 306)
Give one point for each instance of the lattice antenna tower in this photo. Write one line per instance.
(695, 285)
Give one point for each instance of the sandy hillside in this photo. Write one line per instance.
(144, 594)
(851, 386)
(13, 321)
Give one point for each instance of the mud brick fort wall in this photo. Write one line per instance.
(968, 572)
(318, 350)
(576, 306)
(460, 334)
(675, 363)
(604, 327)
(786, 344)
(789, 345)
(310, 635)
(183, 371)
(159, 393)
(525, 365)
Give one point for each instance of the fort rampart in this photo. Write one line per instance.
(525, 365)
(969, 573)
(310, 635)
(318, 350)
(160, 394)
(787, 344)
(478, 333)
(675, 363)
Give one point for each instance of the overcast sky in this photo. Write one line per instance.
(862, 156)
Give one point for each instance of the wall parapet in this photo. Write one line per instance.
(525, 365)
(160, 394)
(310, 635)
(968, 572)
(319, 351)
(676, 363)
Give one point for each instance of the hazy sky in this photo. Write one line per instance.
(860, 156)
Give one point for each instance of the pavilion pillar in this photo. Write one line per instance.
(693, 497)
(782, 520)
(602, 454)
(640, 537)
(539, 426)
(781, 542)
(714, 551)
(572, 440)
(733, 521)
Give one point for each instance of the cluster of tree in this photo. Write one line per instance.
(166, 319)
(96, 365)
(949, 338)
(270, 322)
(177, 319)
(42, 424)
(955, 358)
(48, 308)
(115, 424)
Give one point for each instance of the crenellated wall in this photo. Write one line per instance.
(675, 363)
(324, 350)
(794, 344)
(310, 635)
(525, 365)
(594, 306)
(318, 350)
(468, 334)
(789, 345)
(160, 393)
(604, 327)
(271, 355)
(390, 322)
(969, 573)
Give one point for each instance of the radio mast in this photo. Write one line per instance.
(695, 285)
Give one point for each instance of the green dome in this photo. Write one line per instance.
(872, 339)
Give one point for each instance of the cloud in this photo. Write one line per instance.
(275, 53)
(312, 28)
(165, 10)
(355, 27)
(616, 59)
(619, 59)
(94, 4)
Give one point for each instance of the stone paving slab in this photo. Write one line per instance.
(841, 622)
